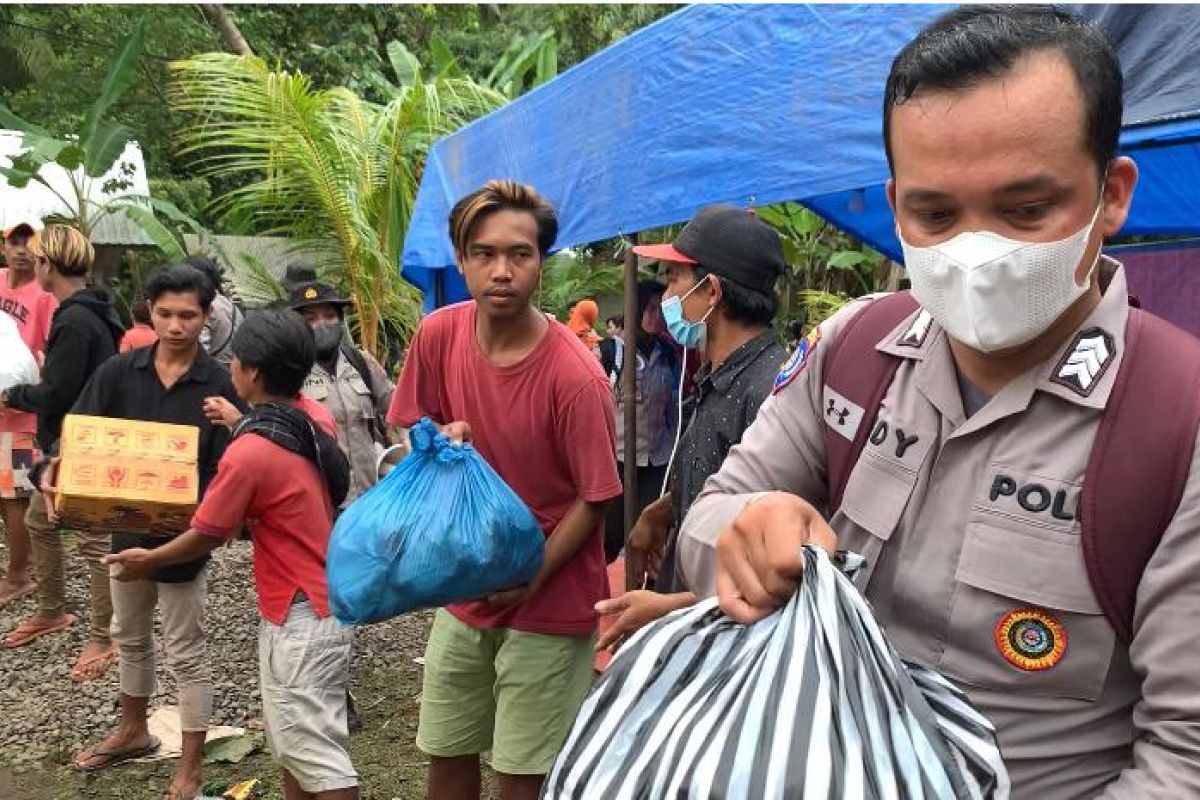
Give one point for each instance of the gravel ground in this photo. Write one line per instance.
(46, 717)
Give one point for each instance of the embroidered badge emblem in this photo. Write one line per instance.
(795, 364)
(1031, 639)
(1086, 361)
(310, 293)
(916, 333)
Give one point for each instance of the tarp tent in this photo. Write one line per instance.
(752, 105)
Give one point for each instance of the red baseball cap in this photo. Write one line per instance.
(663, 252)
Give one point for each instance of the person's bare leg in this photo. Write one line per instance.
(18, 577)
(338, 794)
(292, 790)
(189, 775)
(131, 731)
(519, 787)
(454, 778)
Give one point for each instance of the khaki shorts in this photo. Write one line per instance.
(18, 454)
(304, 668)
(514, 693)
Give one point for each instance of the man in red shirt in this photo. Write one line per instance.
(277, 475)
(32, 308)
(508, 673)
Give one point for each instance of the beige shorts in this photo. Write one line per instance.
(304, 669)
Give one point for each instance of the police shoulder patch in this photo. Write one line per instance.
(795, 365)
(1031, 639)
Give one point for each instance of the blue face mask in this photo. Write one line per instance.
(687, 333)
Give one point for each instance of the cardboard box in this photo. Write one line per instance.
(127, 475)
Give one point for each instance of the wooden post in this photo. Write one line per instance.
(629, 391)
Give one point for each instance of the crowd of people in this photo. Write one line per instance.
(947, 434)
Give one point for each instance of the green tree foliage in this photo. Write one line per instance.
(323, 167)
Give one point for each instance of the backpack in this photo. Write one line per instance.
(1140, 460)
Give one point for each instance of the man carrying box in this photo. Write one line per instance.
(165, 383)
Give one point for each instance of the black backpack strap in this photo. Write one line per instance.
(1140, 461)
(861, 374)
(359, 362)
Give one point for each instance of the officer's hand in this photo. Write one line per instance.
(221, 412)
(457, 432)
(759, 559)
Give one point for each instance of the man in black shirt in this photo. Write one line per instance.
(165, 382)
(720, 297)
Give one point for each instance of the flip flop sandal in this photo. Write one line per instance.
(81, 672)
(25, 633)
(110, 758)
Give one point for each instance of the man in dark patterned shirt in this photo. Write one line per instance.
(721, 272)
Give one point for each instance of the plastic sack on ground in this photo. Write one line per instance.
(17, 366)
(811, 702)
(441, 528)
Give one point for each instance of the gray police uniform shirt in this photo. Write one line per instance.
(359, 414)
(971, 529)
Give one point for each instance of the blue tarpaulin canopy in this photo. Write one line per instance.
(751, 105)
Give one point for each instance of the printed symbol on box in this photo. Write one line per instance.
(117, 476)
(175, 443)
(179, 482)
(147, 441)
(85, 435)
(115, 436)
(147, 480)
(85, 475)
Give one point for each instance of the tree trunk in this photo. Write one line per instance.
(222, 20)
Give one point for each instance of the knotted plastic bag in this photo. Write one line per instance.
(811, 702)
(441, 528)
(17, 365)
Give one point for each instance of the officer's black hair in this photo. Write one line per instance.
(975, 43)
(180, 279)
(279, 344)
(741, 303)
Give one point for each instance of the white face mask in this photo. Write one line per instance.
(991, 292)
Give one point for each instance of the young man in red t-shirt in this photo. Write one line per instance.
(508, 673)
(269, 478)
(32, 308)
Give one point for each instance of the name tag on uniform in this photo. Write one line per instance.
(840, 414)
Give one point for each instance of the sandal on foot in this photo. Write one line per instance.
(92, 668)
(28, 632)
(110, 758)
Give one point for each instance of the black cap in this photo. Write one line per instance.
(315, 293)
(730, 242)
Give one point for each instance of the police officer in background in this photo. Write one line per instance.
(1001, 127)
(347, 381)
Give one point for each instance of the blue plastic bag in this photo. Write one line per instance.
(441, 528)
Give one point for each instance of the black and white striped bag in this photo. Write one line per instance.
(811, 702)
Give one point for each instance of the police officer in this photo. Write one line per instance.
(347, 381)
(1001, 129)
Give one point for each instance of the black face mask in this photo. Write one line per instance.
(327, 336)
